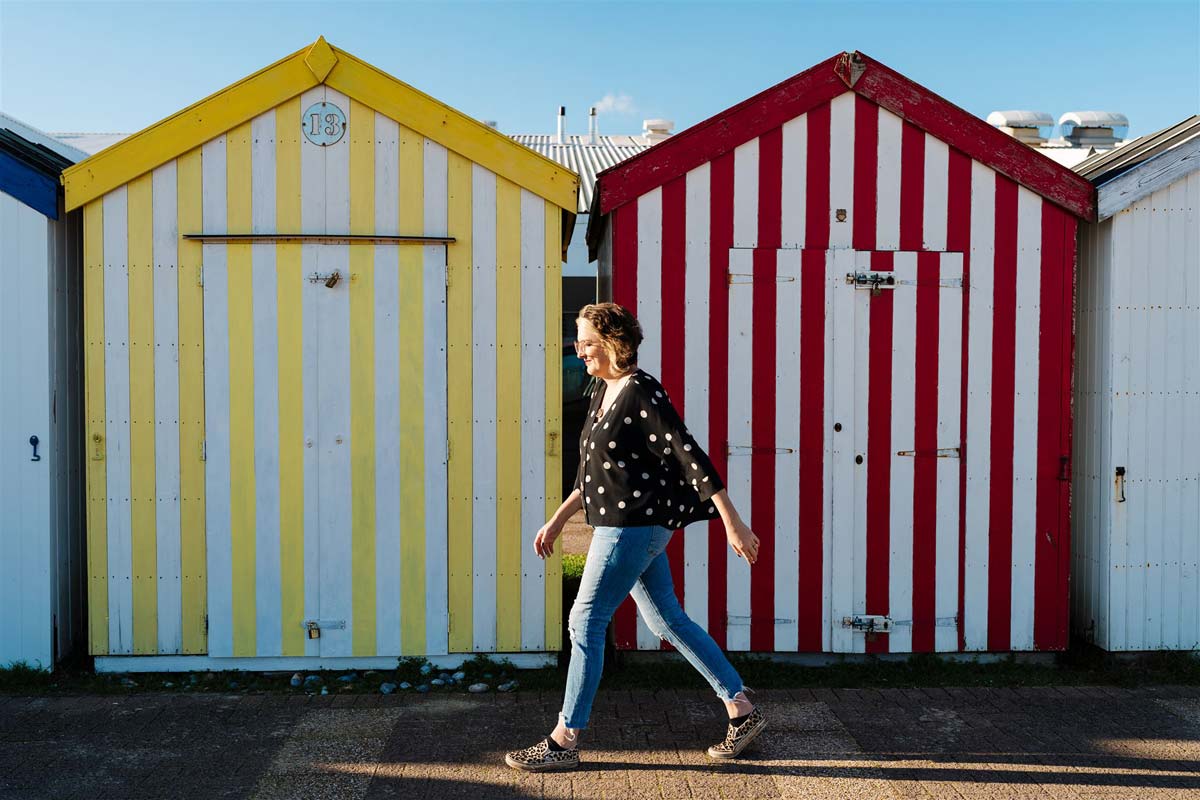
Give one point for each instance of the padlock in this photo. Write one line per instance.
(332, 280)
(314, 631)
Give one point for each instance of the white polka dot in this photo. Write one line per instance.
(621, 464)
(653, 438)
(628, 420)
(645, 476)
(681, 506)
(711, 510)
(660, 480)
(693, 481)
(635, 455)
(653, 401)
(649, 511)
(658, 394)
(687, 448)
(587, 499)
(607, 465)
(694, 465)
(666, 451)
(600, 489)
(705, 479)
(670, 523)
(589, 477)
(602, 511)
(621, 504)
(593, 445)
(667, 437)
(606, 424)
(644, 414)
(690, 510)
(611, 445)
(637, 492)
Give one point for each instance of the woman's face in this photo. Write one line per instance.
(589, 349)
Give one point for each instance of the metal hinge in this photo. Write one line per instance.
(749, 450)
(204, 450)
(746, 277)
(200, 276)
(941, 452)
(206, 624)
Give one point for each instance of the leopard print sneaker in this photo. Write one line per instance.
(540, 758)
(737, 738)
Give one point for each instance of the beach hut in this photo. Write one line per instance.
(860, 296)
(1136, 514)
(322, 321)
(41, 462)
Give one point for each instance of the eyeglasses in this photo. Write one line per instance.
(582, 344)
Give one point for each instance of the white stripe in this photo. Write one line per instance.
(649, 313)
(533, 416)
(794, 181)
(312, 220)
(387, 390)
(887, 184)
(437, 554)
(116, 409)
(738, 479)
(841, 169)
(696, 371)
(217, 511)
(1139, 484)
(268, 603)
(1121, 631)
(948, 427)
(166, 408)
(979, 407)
(333, 391)
(903, 413)
(840, 369)
(833, 262)
(745, 196)
(937, 187)
(787, 467)
(861, 429)
(483, 404)
(1025, 418)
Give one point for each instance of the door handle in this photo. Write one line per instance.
(33, 440)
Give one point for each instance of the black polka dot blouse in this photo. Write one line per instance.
(638, 465)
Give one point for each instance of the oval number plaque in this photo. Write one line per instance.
(323, 124)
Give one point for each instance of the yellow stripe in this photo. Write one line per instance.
(362, 379)
(554, 437)
(141, 416)
(508, 416)
(412, 399)
(458, 372)
(97, 475)
(288, 268)
(241, 391)
(193, 554)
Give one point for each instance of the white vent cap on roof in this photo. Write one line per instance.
(1093, 119)
(1020, 119)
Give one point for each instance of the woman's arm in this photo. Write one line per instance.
(543, 543)
(738, 533)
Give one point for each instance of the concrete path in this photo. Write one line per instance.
(903, 743)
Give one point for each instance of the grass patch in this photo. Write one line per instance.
(572, 565)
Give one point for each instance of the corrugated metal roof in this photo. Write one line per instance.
(90, 143)
(578, 155)
(1105, 166)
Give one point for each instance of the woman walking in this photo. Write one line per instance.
(641, 477)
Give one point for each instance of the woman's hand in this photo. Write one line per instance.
(543, 543)
(742, 540)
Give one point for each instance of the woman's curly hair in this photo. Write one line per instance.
(620, 333)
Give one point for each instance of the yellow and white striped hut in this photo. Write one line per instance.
(323, 378)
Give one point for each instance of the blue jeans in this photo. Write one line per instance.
(620, 562)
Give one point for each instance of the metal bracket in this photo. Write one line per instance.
(941, 452)
(746, 277)
(749, 450)
(868, 623)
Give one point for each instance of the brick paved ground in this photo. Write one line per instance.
(866, 743)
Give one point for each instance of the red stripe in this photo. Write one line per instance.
(674, 268)
(810, 624)
(866, 167)
(879, 449)
(912, 187)
(721, 239)
(958, 239)
(1048, 594)
(925, 442)
(816, 201)
(1004, 326)
(762, 463)
(625, 265)
(1066, 414)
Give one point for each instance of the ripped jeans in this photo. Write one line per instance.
(633, 561)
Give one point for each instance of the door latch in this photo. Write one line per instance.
(868, 623)
(33, 440)
(876, 282)
(330, 279)
(1120, 484)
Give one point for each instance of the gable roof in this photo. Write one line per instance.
(588, 159)
(291, 76)
(843, 73)
(1143, 166)
(30, 165)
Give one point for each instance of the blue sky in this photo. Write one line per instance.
(105, 66)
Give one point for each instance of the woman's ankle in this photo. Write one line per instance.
(565, 737)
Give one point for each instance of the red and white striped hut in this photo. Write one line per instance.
(860, 296)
